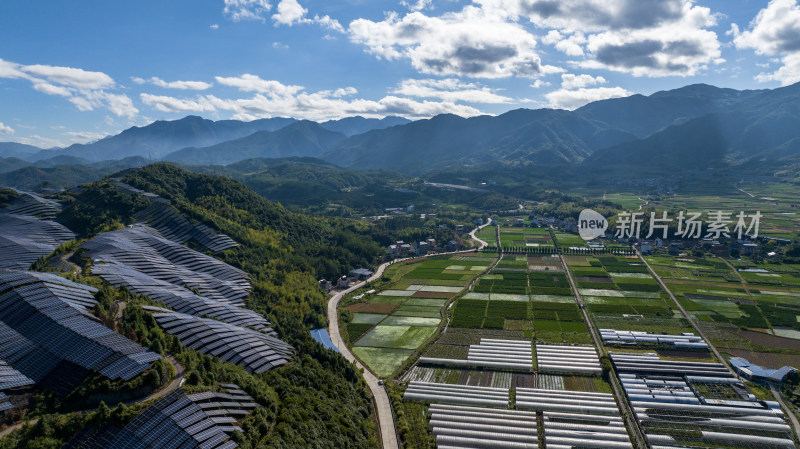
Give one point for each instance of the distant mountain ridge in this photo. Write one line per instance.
(715, 126)
(163, 137)
(303, 138)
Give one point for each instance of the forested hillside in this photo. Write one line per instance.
(318, 400)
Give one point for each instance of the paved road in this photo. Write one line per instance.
(787, 411)
(383, 406)
(176, 383)
(472, 234)
(627, 413)
(686, 315)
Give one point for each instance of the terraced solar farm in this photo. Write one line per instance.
(388, 324)
(50, 338)
(48, 335)
(180, 419)
(27, 231)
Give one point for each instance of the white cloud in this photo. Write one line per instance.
(596, 15)
(85, 89)
(572, 99)
(418, 6)
(318, 106)
(39, 141)
(272, 98)
(4, 129)
(238, 10)
(50, 89)
(183, 85)
(570, 81)
(788, 73)
(539, 83)
(253, 83)
(642, 37)
(214, 26)
(172, 104)
(70, 76)
(289, 13)
(280, 46)
(328, 23)
(571, 45)
(84, 136)
(775, 31)
(475, 42)
(451, 90)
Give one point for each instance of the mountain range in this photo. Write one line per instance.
(696, 126)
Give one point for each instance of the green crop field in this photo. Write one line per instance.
(411, 302)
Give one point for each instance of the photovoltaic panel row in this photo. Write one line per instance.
(179, 298)
(23, 239)
(137, 248)
(179, 420)
(175, 226)
(44, 336)
(27, 203)
(11, 378)
(72, 293)
(255, 351)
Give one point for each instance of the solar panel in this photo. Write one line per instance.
(255, 351)
(54, 341)
(177, 420)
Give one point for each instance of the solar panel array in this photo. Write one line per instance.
(179, 298)
(255, 351)
(9, 380)
(47, 334)
(174, 226)
(25, 238)
(178, 420)
(140, 249)
(693, 404)
(27, 203)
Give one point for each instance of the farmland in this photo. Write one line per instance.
(388, 321)
(620, 294)
(746, 309)
(526, 240)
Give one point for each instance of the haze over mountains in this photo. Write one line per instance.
(698, 124)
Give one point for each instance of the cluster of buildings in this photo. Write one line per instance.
(744, 247)
(403, 249)
(346, 280)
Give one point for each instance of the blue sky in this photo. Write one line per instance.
(77, 71)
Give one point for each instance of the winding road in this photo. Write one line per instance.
(383, 406)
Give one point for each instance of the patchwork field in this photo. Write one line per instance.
(741, 306)
(529, 295)
(388, 322)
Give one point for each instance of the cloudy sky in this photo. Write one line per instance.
(74, 71)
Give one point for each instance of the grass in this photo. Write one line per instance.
(367, 318)
(382, 361)
(382, 336)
